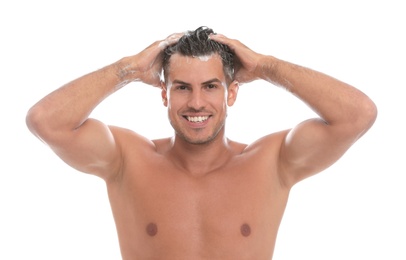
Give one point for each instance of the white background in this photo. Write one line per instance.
(353, 210)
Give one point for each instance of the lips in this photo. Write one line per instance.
(197, 119)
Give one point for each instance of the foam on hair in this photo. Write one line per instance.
(198, 44)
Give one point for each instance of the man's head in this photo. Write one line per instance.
(197, 44)
(198, 86)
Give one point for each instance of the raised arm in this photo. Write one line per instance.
(345, 112)
(61, 120)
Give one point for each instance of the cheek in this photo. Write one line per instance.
(174, 104)
(218, 101)
(220, 104)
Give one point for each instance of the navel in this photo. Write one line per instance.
(152, 229)
(245, 230)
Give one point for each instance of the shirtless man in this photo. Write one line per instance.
(199, 195)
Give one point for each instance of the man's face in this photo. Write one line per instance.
(197, 96)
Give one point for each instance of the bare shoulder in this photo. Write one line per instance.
(269, 144)
(130, 142)
(162, 145)
(261, 155)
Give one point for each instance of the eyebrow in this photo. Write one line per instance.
(176, 81)
(211, 81)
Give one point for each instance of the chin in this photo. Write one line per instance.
(198, 138)
(198, 141)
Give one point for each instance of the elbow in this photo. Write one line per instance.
(36, 121)
(32, 120)
(370, 112)
(367, 114)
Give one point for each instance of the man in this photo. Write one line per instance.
(199, 195)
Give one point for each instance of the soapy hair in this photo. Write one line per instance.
(196, 44)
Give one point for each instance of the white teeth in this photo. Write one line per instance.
(197, 119)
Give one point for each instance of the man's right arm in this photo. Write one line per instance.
(61, 120)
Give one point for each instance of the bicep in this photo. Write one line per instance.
(311, 147)
(91, 148)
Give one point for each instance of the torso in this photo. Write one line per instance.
(162, 212)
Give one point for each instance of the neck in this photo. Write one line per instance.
(200, 159)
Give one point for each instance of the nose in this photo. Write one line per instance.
(196, 100)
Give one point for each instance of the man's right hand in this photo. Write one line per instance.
(146, 66)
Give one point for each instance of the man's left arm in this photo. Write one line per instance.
(345, 113)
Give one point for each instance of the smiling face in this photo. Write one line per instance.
(197, 97)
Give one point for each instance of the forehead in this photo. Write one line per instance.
(201, 67)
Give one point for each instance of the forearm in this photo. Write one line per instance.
(66, 108)
(334, 101)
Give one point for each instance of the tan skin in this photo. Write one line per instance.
(199, 195)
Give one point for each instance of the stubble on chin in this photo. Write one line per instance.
(197, 141)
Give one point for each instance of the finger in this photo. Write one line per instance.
(170, 40)
(220, 38)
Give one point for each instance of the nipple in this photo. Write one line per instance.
(245, 230)
(152, 229)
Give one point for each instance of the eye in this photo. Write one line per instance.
(211, 86)
(182, 87)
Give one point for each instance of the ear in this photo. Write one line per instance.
(232, 92)
(164, 94)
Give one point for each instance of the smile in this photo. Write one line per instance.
(197, 119)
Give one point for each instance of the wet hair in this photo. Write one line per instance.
(197, 43)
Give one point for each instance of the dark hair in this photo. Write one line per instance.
(197, 43)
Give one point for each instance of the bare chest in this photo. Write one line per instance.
(166, 208)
